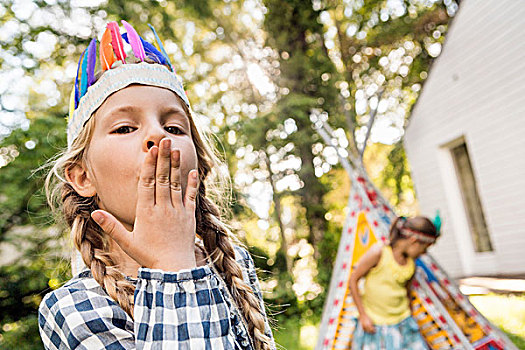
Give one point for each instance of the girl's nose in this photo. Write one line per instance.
(150, 142)
(152, 139)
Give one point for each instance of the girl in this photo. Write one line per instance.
(385, 320)
(161, 270)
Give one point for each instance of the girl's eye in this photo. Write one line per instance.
(127, 129)
(123, 130)
(174, 130)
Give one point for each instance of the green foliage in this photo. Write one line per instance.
(25, 281)
(396, 174)
(22, 200)
(288, 334)
(34, 261)
(512, 320)
(22, 335)
(302, 54)
(282, 299)
(517, 340)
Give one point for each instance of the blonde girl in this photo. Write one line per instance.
(385, 320)
(161, 269)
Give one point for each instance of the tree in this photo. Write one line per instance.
(33, 262)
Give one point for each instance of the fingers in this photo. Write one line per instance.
(369, 328)
(162, 188)
(113, 228)
(191, 190)
(146, 186)
(175, 184)
(160, 178)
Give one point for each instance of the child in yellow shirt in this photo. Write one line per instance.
(385, 320)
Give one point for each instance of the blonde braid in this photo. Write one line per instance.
(219, 246)
(93, 245)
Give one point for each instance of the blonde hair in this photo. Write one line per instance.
(93, 244)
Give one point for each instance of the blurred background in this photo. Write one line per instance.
(258, 72)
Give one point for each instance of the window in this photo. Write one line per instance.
(471, 201)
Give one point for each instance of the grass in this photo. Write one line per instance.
(292, 335)
(505, 311)
(517, 340)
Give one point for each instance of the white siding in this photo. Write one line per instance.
(476, 89)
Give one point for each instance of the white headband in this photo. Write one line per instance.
(420, 236)
(116, 79)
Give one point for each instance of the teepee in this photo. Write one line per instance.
(446, 318)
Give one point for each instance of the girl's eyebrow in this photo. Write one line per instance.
(176, 111)
(165, 112)
(122, 109)
(172, 110)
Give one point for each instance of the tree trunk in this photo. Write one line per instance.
(277, 212)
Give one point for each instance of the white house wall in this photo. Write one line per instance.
(475, 89)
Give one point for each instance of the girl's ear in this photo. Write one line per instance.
(80, 180)
(412, 240)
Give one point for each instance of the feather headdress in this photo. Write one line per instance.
(116, 41)
(107, 57)
(135, 42)
(89, 93)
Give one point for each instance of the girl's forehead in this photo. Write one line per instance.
(136, 99)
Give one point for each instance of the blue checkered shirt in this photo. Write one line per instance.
(189, 309)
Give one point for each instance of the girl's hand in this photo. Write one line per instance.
(163, 235)
(367, 324)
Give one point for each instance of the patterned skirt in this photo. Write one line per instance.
(401, 336)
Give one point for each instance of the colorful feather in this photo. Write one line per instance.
(84, 74)
(91, 61)
(158, 58)
(107, 58)
(116, 41)
(77, 87)
(134, 41)
(151, 51)
(437, 222)
(161, 47)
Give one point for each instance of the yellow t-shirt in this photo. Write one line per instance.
(385, 295)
